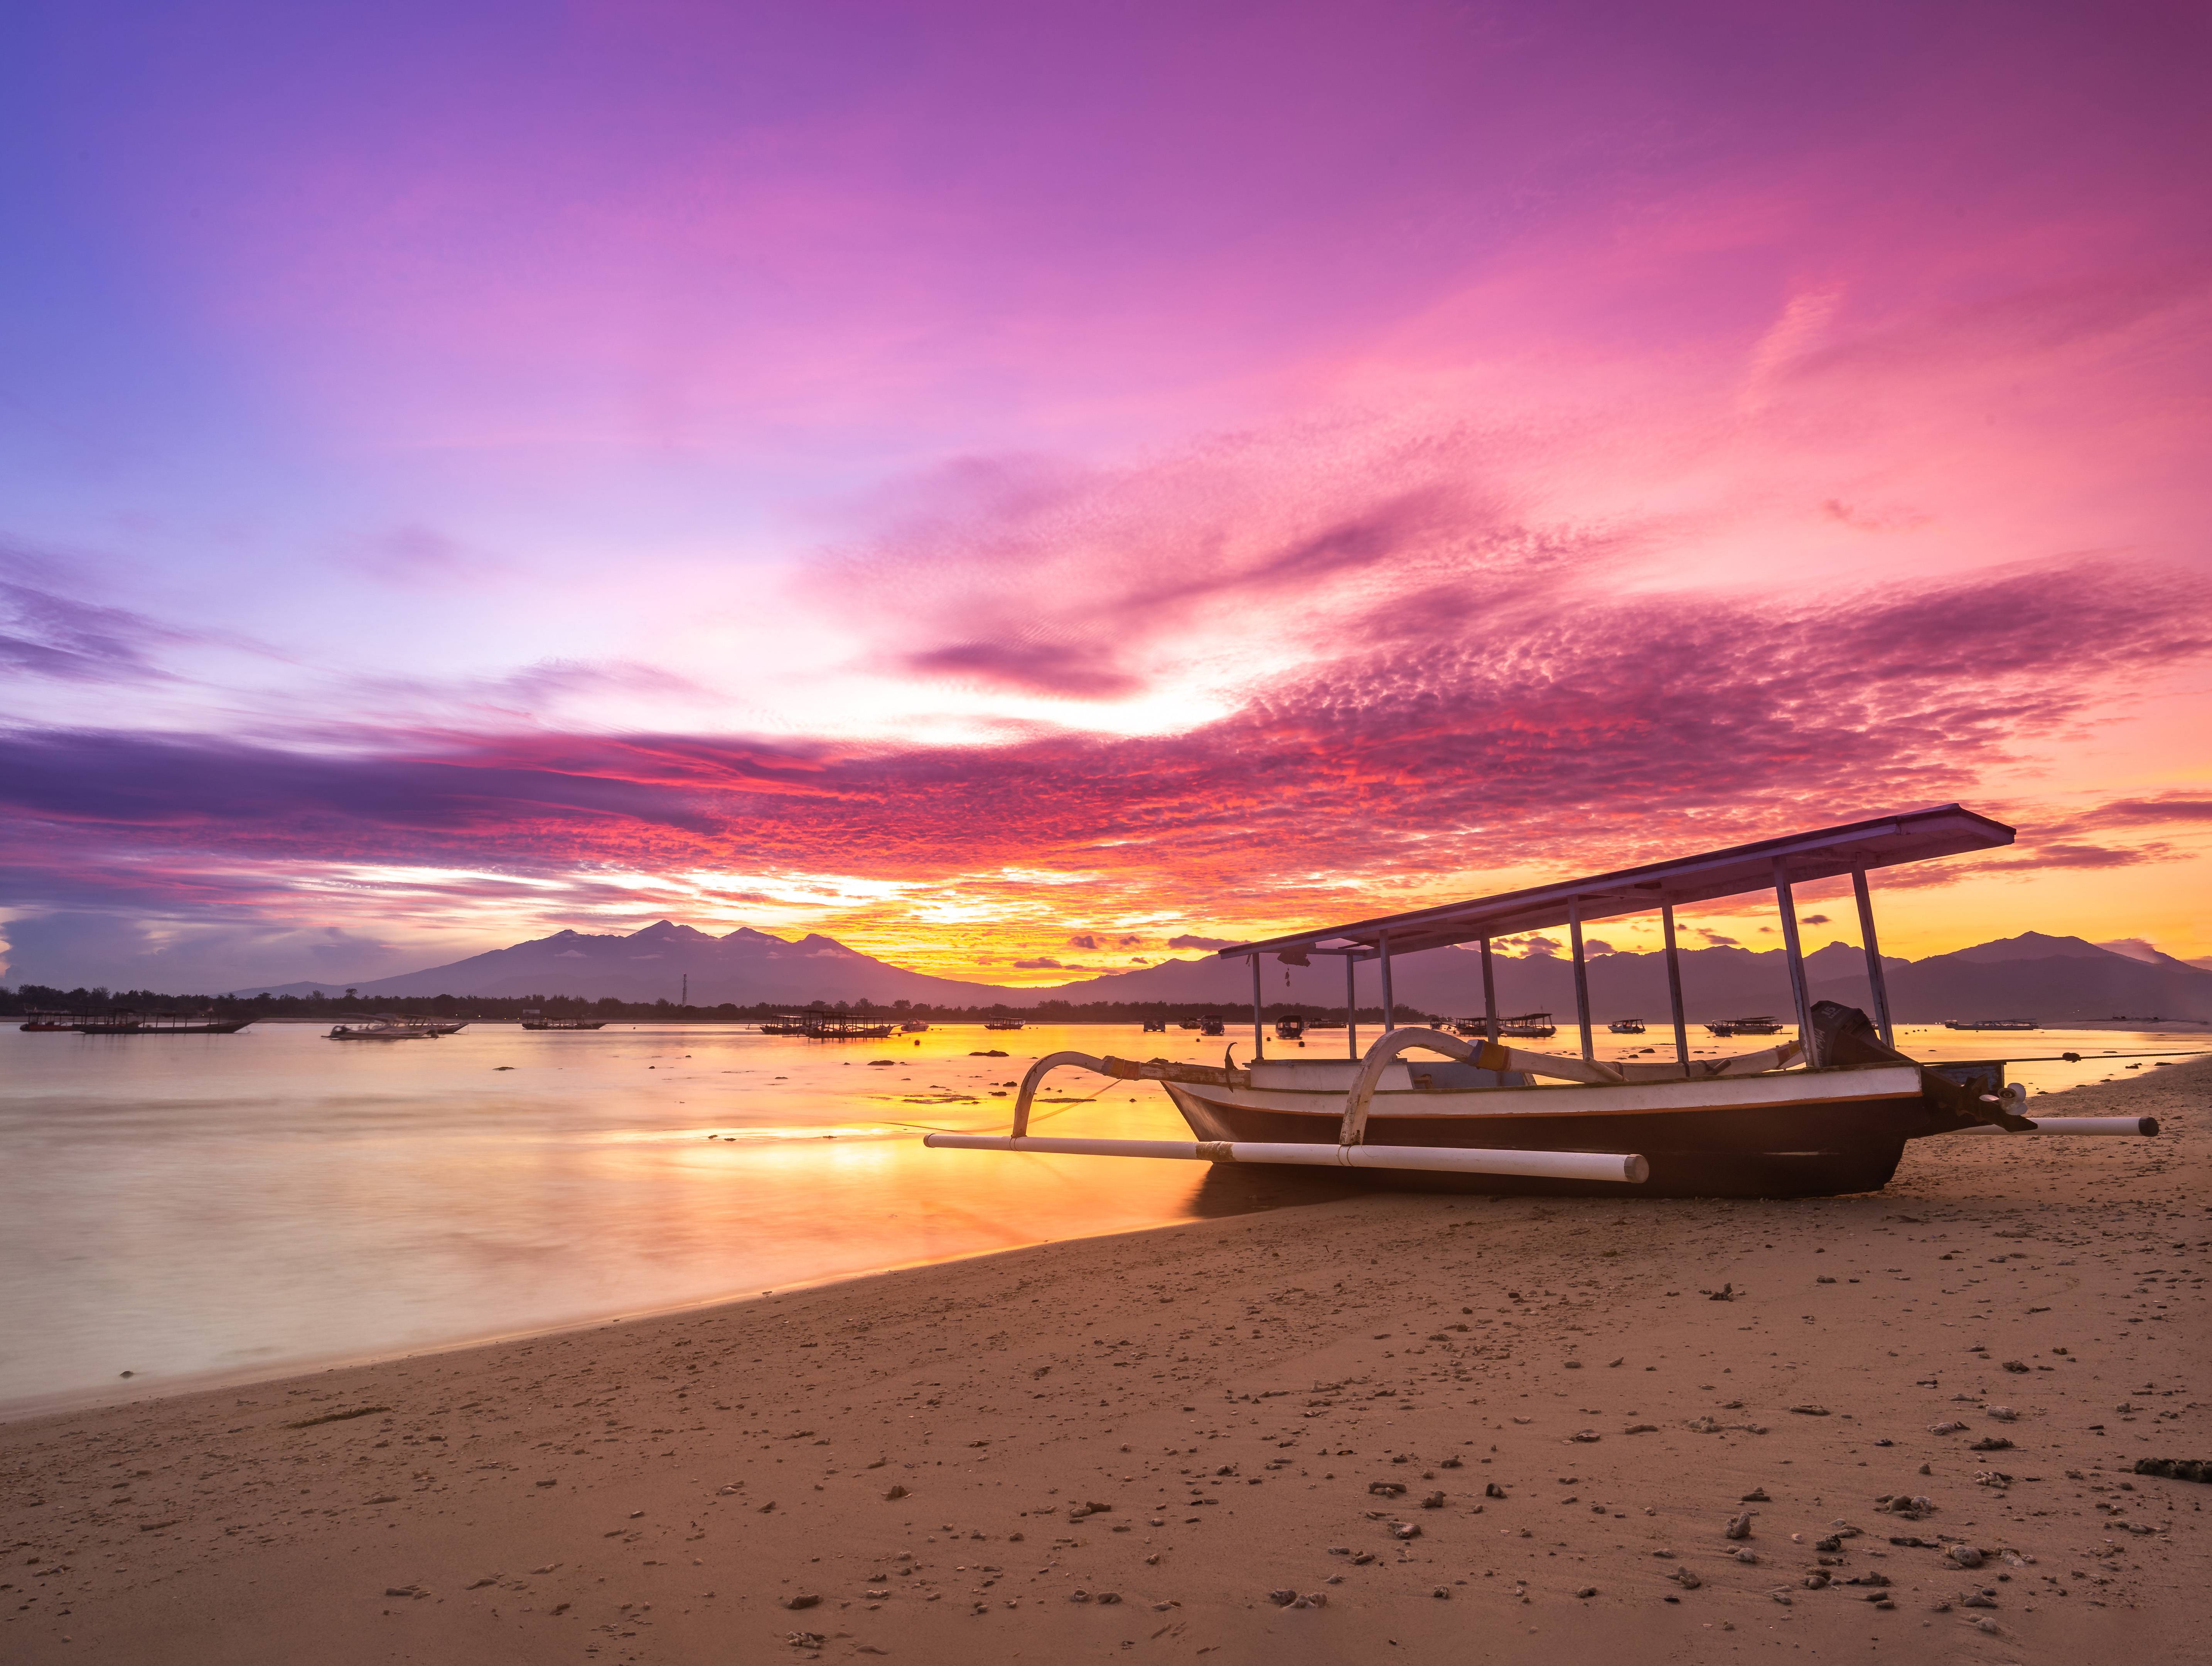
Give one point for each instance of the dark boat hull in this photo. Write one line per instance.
(1799, 1149)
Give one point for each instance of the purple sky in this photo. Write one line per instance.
(966, 478)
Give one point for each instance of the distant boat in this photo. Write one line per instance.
(1289, 1028)
(1992, 1024)
(1211, 1024)
(1003, 1024)
(49, 1020)
(378, 1033)
(1529, 1027)
(131, 1023)
(915, 1026)
(1152, 1025)
(1187, 1023)
(555, 1024)
(1626, 1027)
(1727, 1026)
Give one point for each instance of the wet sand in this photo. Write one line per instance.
(1118, 1447)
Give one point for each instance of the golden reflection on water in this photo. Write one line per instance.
(190, 1207)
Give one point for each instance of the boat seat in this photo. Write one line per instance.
(1449, 1075)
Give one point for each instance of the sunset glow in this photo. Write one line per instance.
(976, 481)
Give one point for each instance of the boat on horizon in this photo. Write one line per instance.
(1825, 1112)
(1992, 1024)
(124, 1021)
(1626, 1027)
(376, 1032)
(1291, 1028)
(1725, 1028)
(1529, 1027)
(1003, 1024)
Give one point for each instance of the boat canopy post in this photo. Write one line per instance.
(1489, 994)
(1876, 982)
(1581, 974)
(1259, 1045)
(1794, 952)
(1352, 1005)
(1675, 987)
(1389, 1003)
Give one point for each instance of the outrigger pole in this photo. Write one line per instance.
(1489, 996)
(1876, 983)
(1259, 1046)
(1795, 953)
(1582, 975)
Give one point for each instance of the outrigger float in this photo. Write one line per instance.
(1825, 1113)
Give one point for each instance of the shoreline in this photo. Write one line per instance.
(1233, 1390)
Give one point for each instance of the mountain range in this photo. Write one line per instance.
(2032, 976)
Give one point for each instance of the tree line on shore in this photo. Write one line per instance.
(39, 997)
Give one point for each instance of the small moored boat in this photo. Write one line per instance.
(1626, 1027)
(1993, 1024)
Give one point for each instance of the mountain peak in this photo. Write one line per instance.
(660, 928)
(2032, 946)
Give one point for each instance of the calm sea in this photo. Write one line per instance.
(199, 1208)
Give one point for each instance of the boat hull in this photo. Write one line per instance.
(1791, 1135)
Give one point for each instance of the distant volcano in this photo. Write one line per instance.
(2047, 979)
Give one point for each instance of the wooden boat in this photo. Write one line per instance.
(564, 1024)
(1003, 1024)
(1993, 1024)
(52, 1021)
(1725, 1028)
(1626, 1027)
(129, 1023)
(1156, 1026)
(1212, 1024)
(1529, 1027)
(376, 1032)
(915, 1026)
(1825, 1112)
(1291, 1028)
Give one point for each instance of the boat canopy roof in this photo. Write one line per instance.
(1826, 853)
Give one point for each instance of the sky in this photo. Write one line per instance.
(1011, 488)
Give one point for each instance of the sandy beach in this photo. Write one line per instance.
(1452, 1429)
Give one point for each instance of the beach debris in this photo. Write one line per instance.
(1402, 1530)
(1810, 1410)
(1433, 1501)
(1491, 1489)
(1997, 1478)
(804, 1639)
(1442, 1593)
(1988, 1627)
(1316, 1599)
(1587, 1590)
(1079, 1595)
(1816, 1582)
(1726, 1292)
(800, 1600)
(2002, 1413)
(1108, 1597)
(1978, 1600)
(1641, 1428)
(1756, 1495)
(1992, 1442)
(1076, 1512)
(2018, 1366)
(894, 1494)
(1953, 1428)
(1684, 1577)
(1965, 1555)
(1386, 1489)
(1282, 1599)
(2176, 1468)
(1584, 1437)
(1898, 1503)
(1748, 1557)
(1739, 1527)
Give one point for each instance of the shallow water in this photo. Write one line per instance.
(202, 1208)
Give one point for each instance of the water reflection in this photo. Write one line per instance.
(179, 1206)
